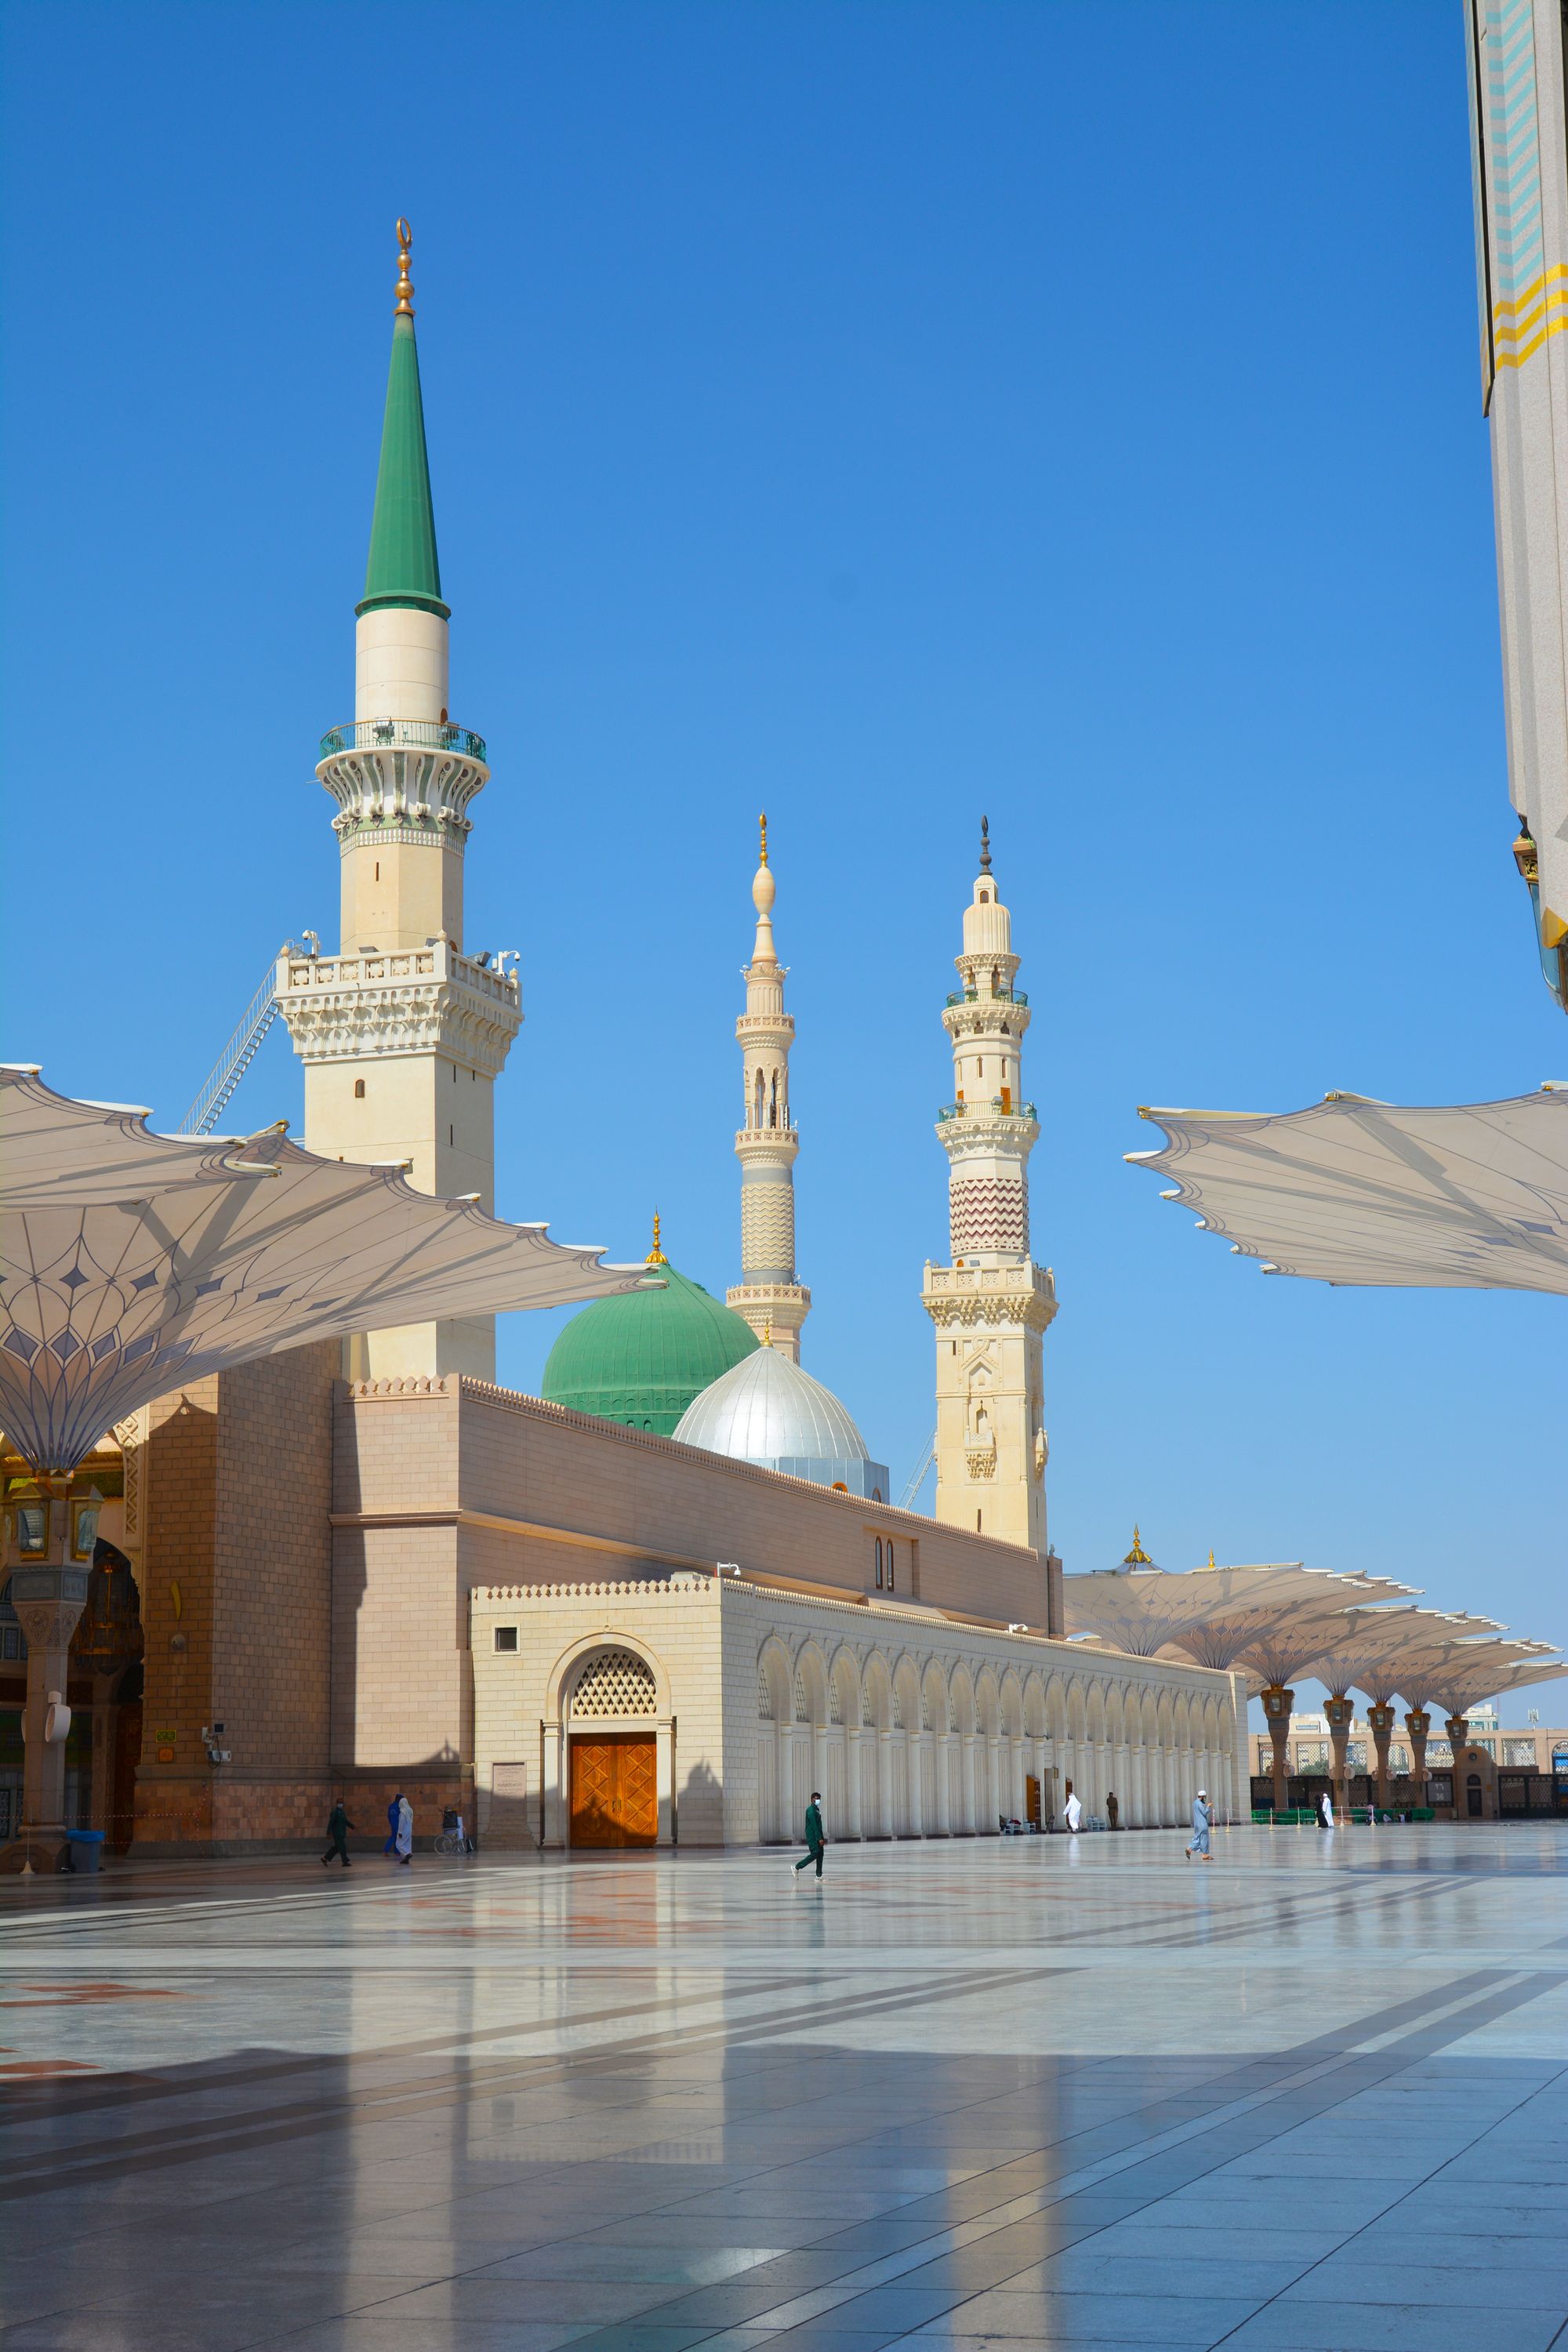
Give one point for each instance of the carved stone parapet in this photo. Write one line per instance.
(986, 1016)
(419, 1001)
(980, 1461)
(970, 1130)
(970, 1295)
(778, 1144)
(766, 1029)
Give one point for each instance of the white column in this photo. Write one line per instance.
(852, 1779)
(664, 1781)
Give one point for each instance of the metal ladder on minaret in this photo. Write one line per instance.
(236, 1058)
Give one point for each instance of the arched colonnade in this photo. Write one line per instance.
(903, 1745)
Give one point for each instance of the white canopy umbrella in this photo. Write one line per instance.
(1352, 1191)
(131, 1262)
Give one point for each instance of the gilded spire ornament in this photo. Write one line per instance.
(655, 1255)
(985, 844)
(405, 305)
(762, 822)
(1137, 1556)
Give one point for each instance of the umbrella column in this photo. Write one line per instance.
(1340, 1713)
(1418, 1723)
(1380, 1718)
(1277, 1702)
(49, 1592)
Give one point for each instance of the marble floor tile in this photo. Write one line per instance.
(969, 2096)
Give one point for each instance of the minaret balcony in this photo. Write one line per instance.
(407, 779)
(994, 996)
(415, 734)
(989, 1115)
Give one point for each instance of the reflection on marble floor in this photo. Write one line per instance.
(1042, 2093)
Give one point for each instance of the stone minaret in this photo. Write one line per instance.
(402, 1035)
(767, 1296)
(991, 1306)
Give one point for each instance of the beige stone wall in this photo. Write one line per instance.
(634, 1497)
(911, 1726)
(235, 1591)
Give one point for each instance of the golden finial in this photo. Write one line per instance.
(768, 1330)
(1211, 1555)
(655, 1255)
(404, 308)
(1137, 1556)
(762, 822)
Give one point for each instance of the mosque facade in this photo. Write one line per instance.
(669, 1598)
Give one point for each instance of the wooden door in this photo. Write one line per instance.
(613, 1785)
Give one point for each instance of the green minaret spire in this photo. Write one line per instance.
(404, 568)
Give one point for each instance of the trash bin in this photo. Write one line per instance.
(86, 1848)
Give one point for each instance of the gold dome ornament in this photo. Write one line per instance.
(403, 308)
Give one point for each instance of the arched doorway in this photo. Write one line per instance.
(1473, 1801)
(612, 1760)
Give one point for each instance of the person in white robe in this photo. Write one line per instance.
(1074, 1811)
(404, 1830)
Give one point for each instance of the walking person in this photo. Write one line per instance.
(814, 1838)
(1202, 1821)
(391, 1845)
(1073, 1810)
(404, 1833)
(1326, 1811)
(338, 1828)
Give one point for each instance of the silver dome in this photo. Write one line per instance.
(766, 1410)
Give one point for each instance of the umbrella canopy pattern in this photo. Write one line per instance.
(1278, 1623)
(1382, 1653)
(1460, 1684)
(1471, 1197)
(1147, 1609)
(131, 1262)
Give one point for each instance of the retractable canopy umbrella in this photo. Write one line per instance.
(1473, 1196)
(131, 1262)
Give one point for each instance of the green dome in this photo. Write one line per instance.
(642, 1358)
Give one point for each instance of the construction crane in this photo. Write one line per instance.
(918, 1479)
(237, 1057)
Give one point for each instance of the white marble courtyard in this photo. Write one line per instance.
(1313, 2098)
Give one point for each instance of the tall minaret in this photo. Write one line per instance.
(991, 1306)
(767, 1296)
(402, 1035)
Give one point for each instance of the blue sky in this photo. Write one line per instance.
(878, 414)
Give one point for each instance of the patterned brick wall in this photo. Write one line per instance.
(989, 1212)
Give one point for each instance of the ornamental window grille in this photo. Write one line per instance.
(898, 1711)
(953, 1723)
(835, 1706)
(1518, 1751)
(764, 1697)
(802, 1706)
(617, 1682)
(868, 1710)
(925, 1710)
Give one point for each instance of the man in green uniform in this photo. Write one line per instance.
(815, 1840)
